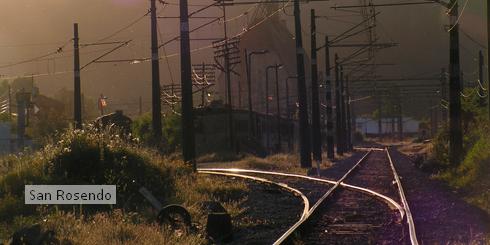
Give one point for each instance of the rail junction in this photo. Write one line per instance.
(366, 204)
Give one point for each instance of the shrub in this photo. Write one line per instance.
(474, 170)
(171, 132)
(90, 157)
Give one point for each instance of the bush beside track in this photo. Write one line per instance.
(92, 157)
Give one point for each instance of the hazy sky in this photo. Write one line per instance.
(32, 28)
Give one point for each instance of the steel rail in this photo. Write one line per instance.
(411, 224)
(368, 148)
(282, 185)
(389, 201)
(286, 235)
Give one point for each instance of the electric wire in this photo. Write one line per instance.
(37, 58)
(124, 28)
(459, 16)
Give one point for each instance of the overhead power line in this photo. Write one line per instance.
(124, 28)
(37, 58)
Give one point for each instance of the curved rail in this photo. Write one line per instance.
(389, 201)
(282, 185)
(393, 204)
(287, 234)
(411, 224)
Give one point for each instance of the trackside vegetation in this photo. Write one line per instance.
(99, 157)
(470, 177)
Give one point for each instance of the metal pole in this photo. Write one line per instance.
(77, 110)
(278, 111)
(432, 119)
(228, 82)
(444, 94)
(140, 106)
(288, 112)
(21, 110)
(328, 95)
(249, 95)
(480, 78)
(267, 126)
(380, 114)
(400, 119)
(155, 78)
(101, 108)
(456, 134)
(203, 92)
(188, 144)
(10, 103)
(348, 115)
(488, 57)
(338, 108)
(239, 94)
(304, 131)
(343, 140)
(248, 66)
(315, 101)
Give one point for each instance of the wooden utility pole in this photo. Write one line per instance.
(77, 110)
(188, 143)
(328, 95)
(315, 101)
(304, 131)
(155, 77)
(488, 57)
(456, 134)
(338, 108)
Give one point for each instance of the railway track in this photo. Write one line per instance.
(366, 205)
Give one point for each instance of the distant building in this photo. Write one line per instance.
(369, 126)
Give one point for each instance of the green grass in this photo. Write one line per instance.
(91, 157)
(472, 174)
